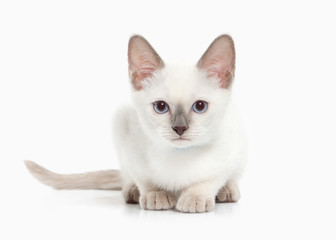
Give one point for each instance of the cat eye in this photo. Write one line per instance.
(160, 107)
(200, 106)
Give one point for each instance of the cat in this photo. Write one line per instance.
(180, 145)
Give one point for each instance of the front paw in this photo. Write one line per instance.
(157, 200)
(228, 193)
(190, 203)
(130, 192)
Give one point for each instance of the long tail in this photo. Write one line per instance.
(102, 180)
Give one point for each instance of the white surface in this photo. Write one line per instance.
(63, 72)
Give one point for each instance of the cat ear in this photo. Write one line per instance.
(142, 60)
(219, 60)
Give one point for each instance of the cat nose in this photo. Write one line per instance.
(180, 129)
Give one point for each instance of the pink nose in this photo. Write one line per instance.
(180, 129)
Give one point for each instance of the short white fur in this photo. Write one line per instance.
(162, 168)
(192, 170)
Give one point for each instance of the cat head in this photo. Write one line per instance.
(181, 105)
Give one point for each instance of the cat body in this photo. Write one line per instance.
(180, 144)
(152, 165)
(171, 166)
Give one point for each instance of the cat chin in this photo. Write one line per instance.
(182, 143)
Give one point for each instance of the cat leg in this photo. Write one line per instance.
(153, 198)
(229, 192)
(198, 197)
(157, 200)
(130, 193)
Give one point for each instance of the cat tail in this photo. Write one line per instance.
(101, 180)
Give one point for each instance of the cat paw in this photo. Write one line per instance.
(228, 193)
(131, 193)
(195, 204)
(157, 200)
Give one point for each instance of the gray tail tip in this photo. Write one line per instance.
(30, 164)
(35, 169)
(40, 173)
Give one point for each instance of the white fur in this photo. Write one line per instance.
(143, 138)
(163, 168)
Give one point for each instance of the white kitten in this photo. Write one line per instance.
(180, 145)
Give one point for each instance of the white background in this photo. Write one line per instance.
(63, 73)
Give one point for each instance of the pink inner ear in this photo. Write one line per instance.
(219, 60)
(218, 69)
(140, 74)
(143, 66)
(143, 60)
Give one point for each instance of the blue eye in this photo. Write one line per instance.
(200, 106)
(160, 107)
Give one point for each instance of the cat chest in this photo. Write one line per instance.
(178, 170)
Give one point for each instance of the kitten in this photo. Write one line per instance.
(180, 145)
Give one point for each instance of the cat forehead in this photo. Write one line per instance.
(183, 76)
(180, 83)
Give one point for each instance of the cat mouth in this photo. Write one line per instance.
(181, 139)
